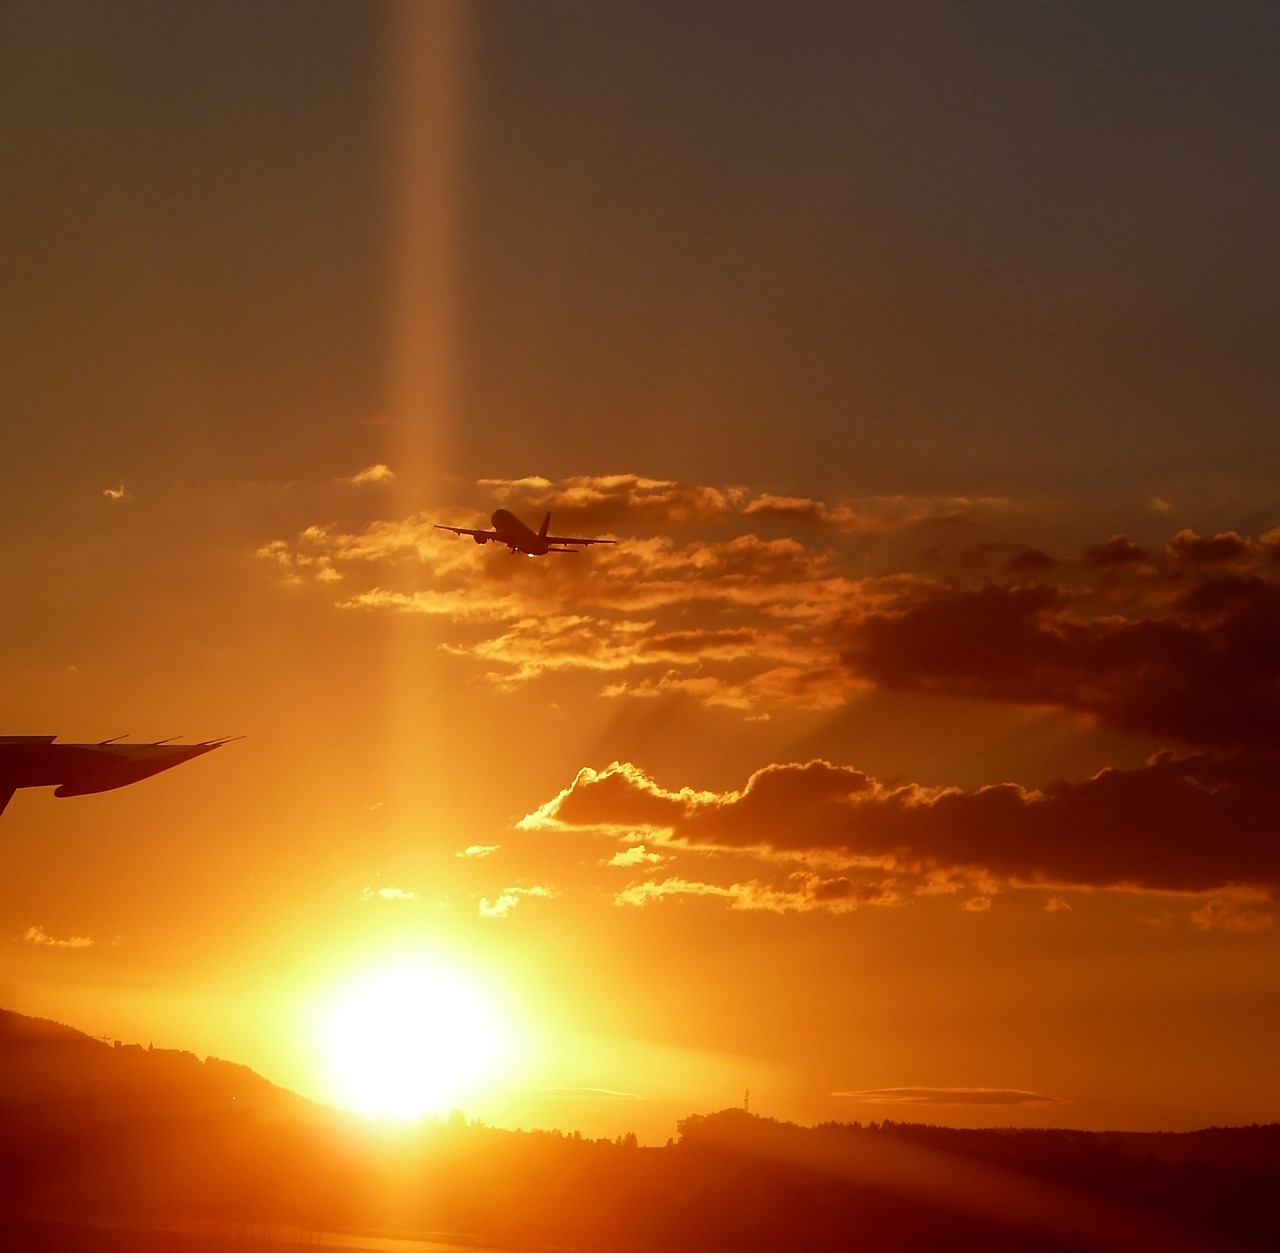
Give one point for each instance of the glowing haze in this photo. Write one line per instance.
(914, 751)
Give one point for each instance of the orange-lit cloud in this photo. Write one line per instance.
(506, 900)
(38, 935)
(1177, 824)
(744, 620)
(800, 892)
(388, 894)
(1172, 642)
(631, 501)
(637, 855)
(1236, 913)
(371, 474)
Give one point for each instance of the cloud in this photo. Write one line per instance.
(1202, 671)
(508, 899)
(116, 493)
(633, 502)
(1224, 549)
(948, 1096)
(387, 894)
(1236, 914)
(803, 893)
(638, 855)
(370, 474)
(1119, 550)
(1171, 642)
(1191, 824)
(745, 621)
(620, 799)
(38, 935)
(479, 850)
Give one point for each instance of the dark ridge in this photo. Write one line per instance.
(18, 1031)
(119, 1147)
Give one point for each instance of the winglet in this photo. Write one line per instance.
(546, 522)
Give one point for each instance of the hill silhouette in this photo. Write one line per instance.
(51, 1073)
(107, 1146)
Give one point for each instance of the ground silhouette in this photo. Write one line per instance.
(105, 1145)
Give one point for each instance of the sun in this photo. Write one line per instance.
(409, 1042)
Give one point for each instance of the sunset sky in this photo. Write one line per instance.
(916, 751)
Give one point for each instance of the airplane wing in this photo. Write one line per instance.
(571, 539)
(466, 530)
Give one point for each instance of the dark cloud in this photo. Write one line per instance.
(1178, 824)
(1204, 672)
(1189, 549)
(1119, 550)
(1030, 561)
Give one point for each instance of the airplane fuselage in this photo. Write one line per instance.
(517, 536)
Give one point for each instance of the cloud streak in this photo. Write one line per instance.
(1203, 671)
(801, 892)
(948, 1096)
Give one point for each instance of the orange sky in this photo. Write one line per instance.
(913, 752)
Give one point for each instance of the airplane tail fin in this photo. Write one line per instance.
(546, 522)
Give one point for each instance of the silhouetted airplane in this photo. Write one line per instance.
(509, 530)
(78, 769)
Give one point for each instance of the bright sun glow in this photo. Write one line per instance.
(409, 1042)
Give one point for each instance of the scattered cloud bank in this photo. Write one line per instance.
(754, 601)
(751, 600)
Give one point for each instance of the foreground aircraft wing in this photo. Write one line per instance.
(80, 769)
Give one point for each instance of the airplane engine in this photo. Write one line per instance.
(480, 539)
